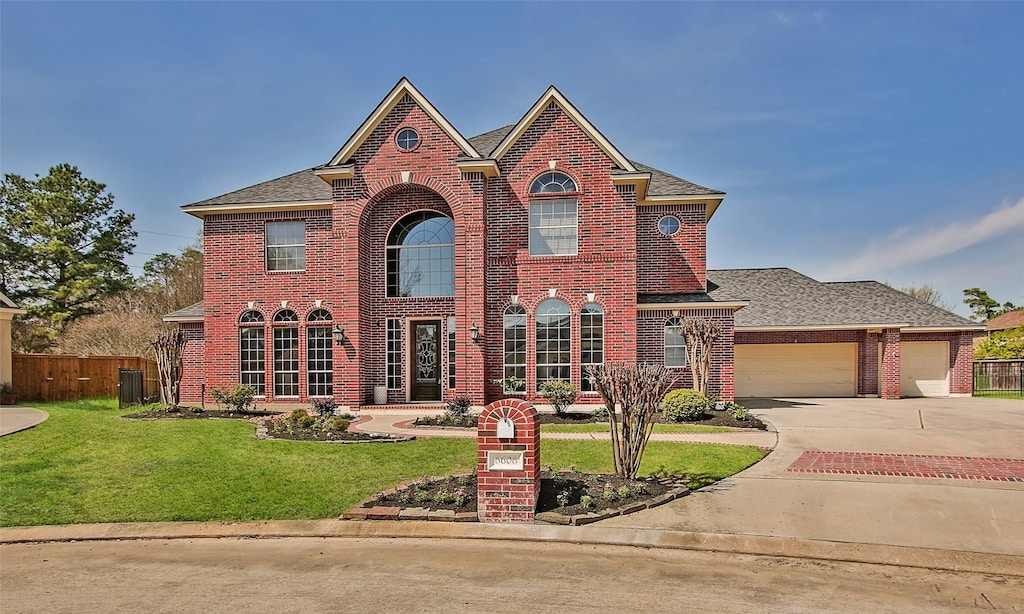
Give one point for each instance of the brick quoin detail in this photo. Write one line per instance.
(508, 496)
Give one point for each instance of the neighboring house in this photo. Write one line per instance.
(419, 265)
(1010, 319)
(7, 312)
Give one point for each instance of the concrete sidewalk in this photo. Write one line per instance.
(952, 514)
(14, 418)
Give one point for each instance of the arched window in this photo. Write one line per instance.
(421, 256)
(675, 343)
(553, 221)
(251, 351)
(514, 372)
(319, 354)
(591, 343)
(286, 354)
(554, 327)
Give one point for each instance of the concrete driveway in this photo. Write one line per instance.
(862, 446)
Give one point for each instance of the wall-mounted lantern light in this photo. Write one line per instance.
(474, 332)
(339, 334)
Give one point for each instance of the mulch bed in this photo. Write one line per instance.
(560, 492)
(191, 413)
(712, 418)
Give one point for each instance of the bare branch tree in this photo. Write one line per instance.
(701, 334)
(168, 348)
(636, 389)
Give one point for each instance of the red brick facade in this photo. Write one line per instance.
(620, 254)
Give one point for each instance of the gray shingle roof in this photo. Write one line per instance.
(664, 184)
(783, 297)
(192, 312)
(486, 143)
(301, 186)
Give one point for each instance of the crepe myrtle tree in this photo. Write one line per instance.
(700, 334)
(636, 389)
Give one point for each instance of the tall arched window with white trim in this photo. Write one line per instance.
(514, 366)
(251, 351)
(554, 348)
(319, 354)
(675, 343)
(421, 256)
(286, 354)
(554, 224)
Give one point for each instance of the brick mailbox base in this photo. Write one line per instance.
(508, 457)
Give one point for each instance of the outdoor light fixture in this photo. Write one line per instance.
(339, 334)
(474, 332)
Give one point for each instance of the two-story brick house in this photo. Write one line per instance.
(418, 265)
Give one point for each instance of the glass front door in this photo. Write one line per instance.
(425, 360)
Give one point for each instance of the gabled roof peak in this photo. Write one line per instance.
(552, 95)
(403, 88)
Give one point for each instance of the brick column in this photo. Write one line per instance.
(890, 363)
(961, 380)
(508, 457)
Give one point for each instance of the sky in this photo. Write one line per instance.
(866, 140)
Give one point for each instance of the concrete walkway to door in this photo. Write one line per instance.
(854, 502)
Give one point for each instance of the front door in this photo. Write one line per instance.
(425, 361)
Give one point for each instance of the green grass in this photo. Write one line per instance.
(595, 427)
(1000, 395)
(85, 464)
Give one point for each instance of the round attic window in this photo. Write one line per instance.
(407, 139)
(668, 225)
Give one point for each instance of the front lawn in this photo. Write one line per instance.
(85, 464)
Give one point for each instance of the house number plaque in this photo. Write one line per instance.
(500, 460)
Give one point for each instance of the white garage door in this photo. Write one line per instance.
(924, 369)
(796, 370)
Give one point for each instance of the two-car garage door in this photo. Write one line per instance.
(796, 370)
(830, 369)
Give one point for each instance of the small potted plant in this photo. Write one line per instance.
(7, 396)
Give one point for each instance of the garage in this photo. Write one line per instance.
(796, 370)
(924, 369)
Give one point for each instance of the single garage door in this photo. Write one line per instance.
(796, 370)
(924, 369)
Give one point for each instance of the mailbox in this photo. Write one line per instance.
(506, 429)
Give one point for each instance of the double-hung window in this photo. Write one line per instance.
(675, 343)
(554, 222)
(286, 246)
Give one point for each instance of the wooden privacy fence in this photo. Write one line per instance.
(56, 377)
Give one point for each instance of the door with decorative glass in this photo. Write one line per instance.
(425, 360)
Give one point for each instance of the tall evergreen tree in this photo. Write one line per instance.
(62, 245)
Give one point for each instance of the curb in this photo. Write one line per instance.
(757, 545)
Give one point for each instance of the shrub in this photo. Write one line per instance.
(601, 413)
(559, 394)
(586, 502)
(738, 411)
(458, 407)
(238, 399)
(685, 405)
(511, 385)
(335, 424)
(324, 407)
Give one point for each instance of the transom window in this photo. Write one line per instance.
(421, 256)
(319, 315)
(515, 348)
(675, 343)
(553, 182)
(286, 315)
(407, 139)
(286, 246)
(251, 317)
(591, 343)
(553, 341)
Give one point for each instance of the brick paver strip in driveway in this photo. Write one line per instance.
(911, 465)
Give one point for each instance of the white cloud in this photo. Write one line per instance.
(906, 246)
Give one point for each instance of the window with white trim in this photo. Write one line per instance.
(394, 353)
(675, 343)
(515, 347)
(421, 256)
(451, 353)
(286, 354)
(319, 354)
(251, 350)
(554, 223)
(286, 246)
(554, 349)
(591, 343)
